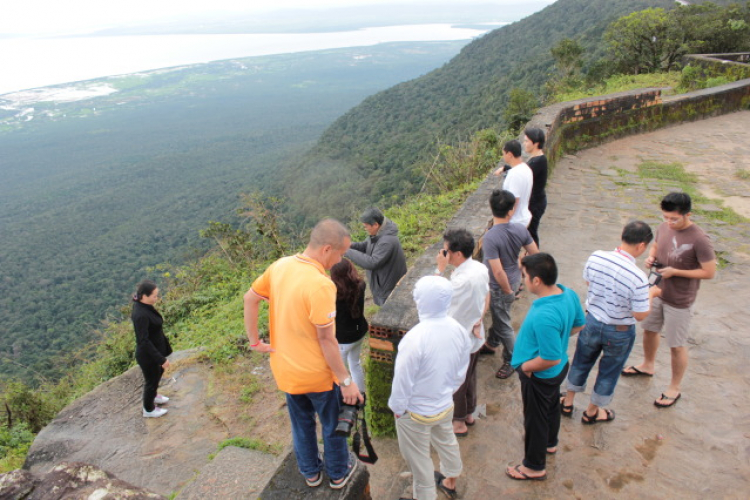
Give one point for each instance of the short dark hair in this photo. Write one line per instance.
(535, 135)
(540, 265)
(460, 240)
(144, 289)
(677, 202)
(513, 147)
(501, 202)
(637, 232)
(372, 216)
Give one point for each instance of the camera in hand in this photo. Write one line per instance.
(347, 418)
(654, 276)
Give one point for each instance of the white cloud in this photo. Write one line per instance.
(80, 16)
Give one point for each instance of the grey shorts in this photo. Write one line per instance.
(675, 322)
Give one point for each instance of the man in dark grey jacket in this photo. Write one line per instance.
(380, 254)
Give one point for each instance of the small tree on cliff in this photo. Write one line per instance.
(645, 41)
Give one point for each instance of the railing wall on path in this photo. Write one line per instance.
(570, 126)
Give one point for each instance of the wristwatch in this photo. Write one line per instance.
(347, 382)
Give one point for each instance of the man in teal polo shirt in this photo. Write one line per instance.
(541, 360)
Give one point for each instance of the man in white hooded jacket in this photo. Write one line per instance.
(431, 365)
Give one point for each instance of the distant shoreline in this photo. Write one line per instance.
(63, 60)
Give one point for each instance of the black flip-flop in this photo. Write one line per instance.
(524, 477)
(672, 400)
(635, 373)
(450, 493)
(565, 410)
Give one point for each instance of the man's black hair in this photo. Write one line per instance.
(513, 147)
(372, 216)
(540, 265)
(501, 202)
(460, 240)
(637, 232)
(677, 202)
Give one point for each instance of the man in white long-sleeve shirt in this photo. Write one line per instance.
(431, 365)
(470, 301)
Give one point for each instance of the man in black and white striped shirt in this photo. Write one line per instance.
(617, 299)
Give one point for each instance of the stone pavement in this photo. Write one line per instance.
(701, 447)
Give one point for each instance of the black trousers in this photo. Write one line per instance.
(541, 416)
(151, 376)
(536, 218)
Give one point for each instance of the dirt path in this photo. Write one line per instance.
(700, 448)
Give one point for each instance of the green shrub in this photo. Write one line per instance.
(14, 444)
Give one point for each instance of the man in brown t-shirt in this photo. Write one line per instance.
(683, 254)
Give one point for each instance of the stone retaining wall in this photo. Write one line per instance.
(733, 65)
(570, 126)
(611, 117)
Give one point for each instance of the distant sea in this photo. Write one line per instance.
(39, 62)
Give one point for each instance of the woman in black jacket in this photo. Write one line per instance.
(152, 346)
(351, 325)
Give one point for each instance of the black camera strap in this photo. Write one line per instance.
(371, 457)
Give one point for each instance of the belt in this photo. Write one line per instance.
(429, 419)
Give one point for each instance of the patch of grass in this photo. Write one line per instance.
(742, 174)
(721, 261)
(250, 444)
(675, 173)
(621, 83)
(371, 310)
(666, 171)
(237, 379)
(247, 392)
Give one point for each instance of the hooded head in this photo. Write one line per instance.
(433, 297)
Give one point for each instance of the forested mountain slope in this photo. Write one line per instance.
(96, 192)
(368, 150)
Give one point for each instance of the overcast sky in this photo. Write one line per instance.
(37, 17)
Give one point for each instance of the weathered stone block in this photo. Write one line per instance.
(288, 484)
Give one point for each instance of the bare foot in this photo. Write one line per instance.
(459, 428)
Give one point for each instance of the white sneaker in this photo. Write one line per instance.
(158, 412)
(160, 400)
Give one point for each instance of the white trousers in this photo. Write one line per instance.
(414, 439)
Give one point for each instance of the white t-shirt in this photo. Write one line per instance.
(471, 284)
(519, 181)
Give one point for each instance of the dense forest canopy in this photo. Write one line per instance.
(96, 192)
(372, 147)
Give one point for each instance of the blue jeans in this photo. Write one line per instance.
(614, 343)
(302, 409)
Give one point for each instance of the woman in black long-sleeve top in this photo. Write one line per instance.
(533, 142)
(152, 346)
(351, 325)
